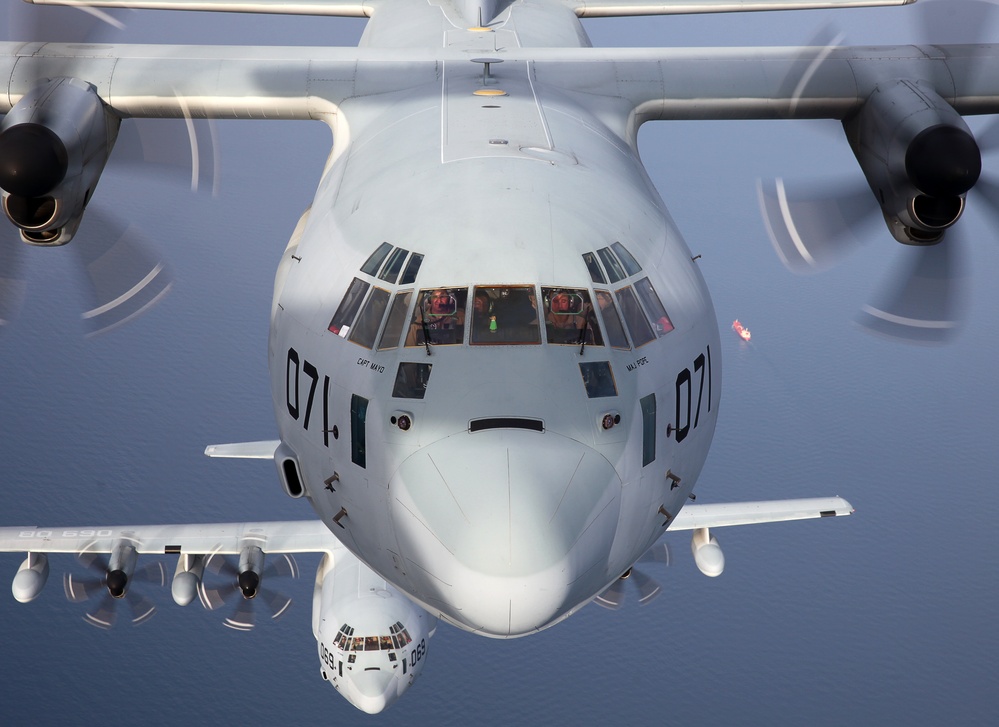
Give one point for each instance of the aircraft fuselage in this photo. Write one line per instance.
(475, 424)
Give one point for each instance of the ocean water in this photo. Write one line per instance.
(884, 616)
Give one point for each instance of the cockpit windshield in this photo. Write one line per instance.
(569, 317)
(397, 638)
(505, 315)
(439, 317)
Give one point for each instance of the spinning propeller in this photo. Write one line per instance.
(813, 228)
(246, 585)
(614, 596)
(123, 276)
(111, 582)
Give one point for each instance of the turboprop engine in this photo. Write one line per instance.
(919, 157)
(54, 145)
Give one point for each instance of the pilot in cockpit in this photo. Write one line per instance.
(569, 317)
(439, 318)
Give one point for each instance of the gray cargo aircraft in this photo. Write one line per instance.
(494, 363)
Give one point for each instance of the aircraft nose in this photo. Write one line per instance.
(495, 528)
(373, 690)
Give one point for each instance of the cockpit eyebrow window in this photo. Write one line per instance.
(569, 317)
(412, 269)
(390, 270)
(631, 265)
(657, 312)
(439, 317)
(596, 274)
(372, 264)
(344, 316)
(505, 315)
(614, 270)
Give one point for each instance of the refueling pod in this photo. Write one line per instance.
(54, 145)
(708, 555)
(30, 577)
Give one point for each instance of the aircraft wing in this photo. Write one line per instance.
(637, 84)
(619, 8)
(717, 515)
(293, 536)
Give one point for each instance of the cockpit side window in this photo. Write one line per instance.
(654, 306)
(366, 327)
(439, 317)
(612, 321)
(569, 317)
(505, 315)
(344, 316)
(396, 320)
(641, 331)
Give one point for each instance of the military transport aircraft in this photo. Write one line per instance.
(494, 362)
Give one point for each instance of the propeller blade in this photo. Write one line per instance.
(658, 553)
(613, 595)
(94, 588)
(142, 607)
(80, 590)
(60, 24)
(648, 588)
(278, 603)
(244, 618)
(105, 615)
(226, 590)
(956, 21)
(187, 152)
(812, 231)
(921, 303)
(12, 283)
(124, 278)
(985, 197)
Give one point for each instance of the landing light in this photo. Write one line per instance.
(403, 420)
(610, 419)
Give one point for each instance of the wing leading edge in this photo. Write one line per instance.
(292, 536)
(717, 515)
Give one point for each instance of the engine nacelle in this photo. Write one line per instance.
(708, 556)
(54, 145)
(919, 158)
(30, 578)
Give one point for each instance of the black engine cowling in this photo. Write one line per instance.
(54, 145)
(919, 157)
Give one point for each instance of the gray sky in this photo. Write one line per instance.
(885, 615)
